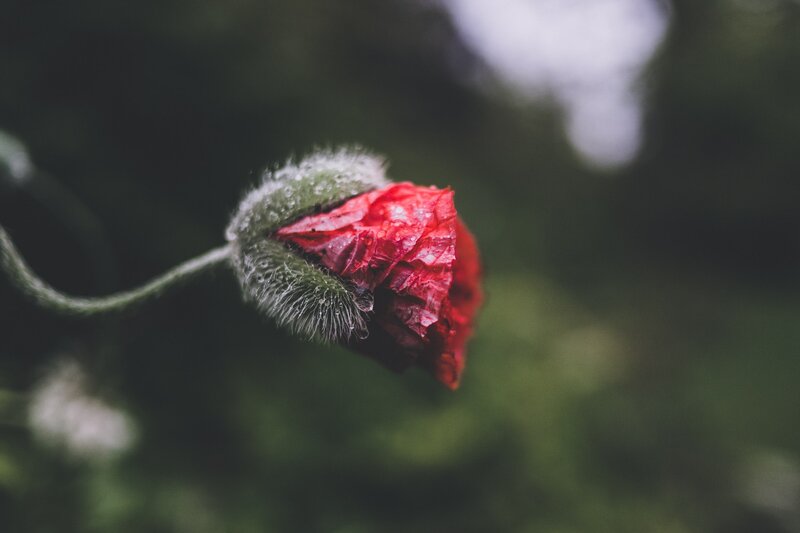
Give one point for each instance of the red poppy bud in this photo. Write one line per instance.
(406, 245)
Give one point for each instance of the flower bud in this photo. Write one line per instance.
(331, 250)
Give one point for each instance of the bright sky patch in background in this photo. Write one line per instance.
(587, 55)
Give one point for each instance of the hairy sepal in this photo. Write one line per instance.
(315, 183)
(300, 296)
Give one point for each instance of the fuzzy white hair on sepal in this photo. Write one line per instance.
(317, 182)
(300, 296)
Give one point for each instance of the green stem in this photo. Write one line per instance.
(37, 290)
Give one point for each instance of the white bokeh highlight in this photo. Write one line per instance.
(15, 163)
(587, 55)
(63, 414)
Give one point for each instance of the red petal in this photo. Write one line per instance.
(464, 299)
(406, 245)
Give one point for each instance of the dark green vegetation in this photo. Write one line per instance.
(636, 366)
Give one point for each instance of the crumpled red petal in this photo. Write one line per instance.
(406, 244)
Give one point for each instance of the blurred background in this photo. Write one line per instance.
(630, 168)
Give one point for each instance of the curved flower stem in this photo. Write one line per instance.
(37, 290)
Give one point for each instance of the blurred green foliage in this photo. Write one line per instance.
(635, 368)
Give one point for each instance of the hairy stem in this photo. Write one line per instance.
(28, 283)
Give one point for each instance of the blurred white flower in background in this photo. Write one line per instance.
(587, 55)
(62, 413)
(15, 163)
